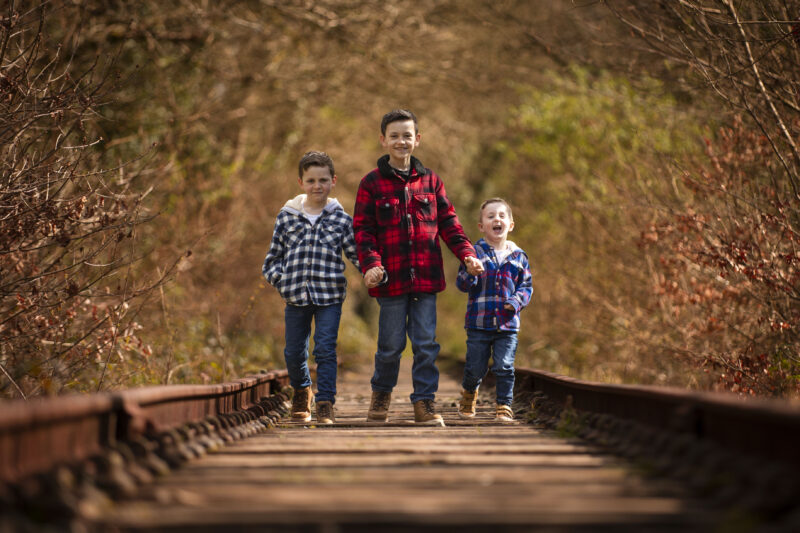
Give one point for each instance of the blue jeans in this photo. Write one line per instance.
(501, 346)
(415, 315)
(326, 330)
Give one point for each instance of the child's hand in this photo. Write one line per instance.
(508, 307)
(474, 266)
(373, 277)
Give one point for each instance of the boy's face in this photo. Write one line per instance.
(400, 140)
(317, 183)
(495, 222)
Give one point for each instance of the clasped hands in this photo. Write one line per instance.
(474, 266)
(373, 276)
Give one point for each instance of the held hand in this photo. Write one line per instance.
(508, 307)
(373, 277)
(474, 266)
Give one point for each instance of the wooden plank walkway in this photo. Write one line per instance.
(358, 476)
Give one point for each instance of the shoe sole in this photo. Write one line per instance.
(301, 418)
(465, 415)
(434, 422)
(376, 419)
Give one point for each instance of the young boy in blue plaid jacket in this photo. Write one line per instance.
(304, 263)
(496, 298)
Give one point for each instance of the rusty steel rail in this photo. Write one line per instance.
(40, 435)
(753, 426)
(739, 454)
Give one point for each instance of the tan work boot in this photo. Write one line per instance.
(425, 414)
(325, 413)
(466, 407)
(379, 407)
(504, 413)
(301, 404)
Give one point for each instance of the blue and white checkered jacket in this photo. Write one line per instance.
(304, 261)
(509, 282)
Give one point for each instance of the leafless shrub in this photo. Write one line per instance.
(726, 248)
(67, 227)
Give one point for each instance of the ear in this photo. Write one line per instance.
(333, 180)
(417, 139)
(480, 226)
(511, 226)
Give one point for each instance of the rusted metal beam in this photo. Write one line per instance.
(754, 426)
(39, 435)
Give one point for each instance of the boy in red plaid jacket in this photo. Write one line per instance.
(401, 211)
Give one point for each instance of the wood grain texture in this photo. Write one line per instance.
(357, 476)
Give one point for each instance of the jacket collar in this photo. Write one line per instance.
(295, 205)
(487, 248)
(387, 171)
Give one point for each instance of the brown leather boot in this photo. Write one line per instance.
(466, 407)
(325, 413)
(301, 404)
(504, 413)
(379, 407)
(425, 414)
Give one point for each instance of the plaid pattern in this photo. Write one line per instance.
(510, 282)
(398, 224)
(304, 262)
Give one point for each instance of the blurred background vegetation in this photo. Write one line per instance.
(648, 149)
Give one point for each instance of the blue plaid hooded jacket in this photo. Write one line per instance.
(304, 261)
(507, 282)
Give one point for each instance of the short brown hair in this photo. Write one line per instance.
(398, 114)
(315, 159)
(495, 201)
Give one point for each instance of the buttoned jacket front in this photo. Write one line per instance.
(398, 223)
(503, 282)
(304, 260)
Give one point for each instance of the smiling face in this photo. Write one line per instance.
(317, 183)
(400, 140)
(496, 222)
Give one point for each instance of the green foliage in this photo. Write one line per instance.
(580, 161)
(207, 107)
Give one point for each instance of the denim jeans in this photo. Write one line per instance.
(501, 346)
(326, 330)
(415, 315)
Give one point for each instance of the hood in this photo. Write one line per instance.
(386, 169)
(295, 205)
(487, 247)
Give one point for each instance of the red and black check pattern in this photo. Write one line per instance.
(397, 225)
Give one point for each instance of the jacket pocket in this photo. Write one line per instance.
(387, 211)
(294, 234)
(424, 205)
(330, 235)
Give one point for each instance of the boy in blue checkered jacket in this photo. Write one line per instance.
(304, 263)
(496, 298)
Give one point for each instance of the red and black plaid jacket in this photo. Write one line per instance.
(397, 225)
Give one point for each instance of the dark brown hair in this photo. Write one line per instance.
(398, 114)
(495, 201)
(315, 159)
